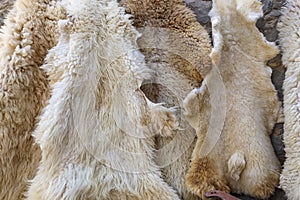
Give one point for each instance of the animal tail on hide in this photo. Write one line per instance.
(236, 165)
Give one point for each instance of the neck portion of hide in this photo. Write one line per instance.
(289, 38)
(243, 159)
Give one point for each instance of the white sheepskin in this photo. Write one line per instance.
(96, 133)
(289, 38)
(240, 157)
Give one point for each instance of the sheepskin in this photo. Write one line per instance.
(240, 158)
(177, 48)
(96, 132)
(5, 6)
(28, 33)
(289, 38)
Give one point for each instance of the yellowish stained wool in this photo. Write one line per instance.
(243, 159)
(29, 32)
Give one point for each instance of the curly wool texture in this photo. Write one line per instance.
(176, 48)
(95, 133)
(24, 41)
(243, 160)
(289, 38)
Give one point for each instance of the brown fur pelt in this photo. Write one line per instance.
(177, 48)
(29, 32)
(239, 157)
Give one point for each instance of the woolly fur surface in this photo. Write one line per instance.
(176, 48)
(24, 42)
(5, 6)
(243, 159)
(290, 45)
(96, 132)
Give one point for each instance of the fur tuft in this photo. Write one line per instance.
(236, 165)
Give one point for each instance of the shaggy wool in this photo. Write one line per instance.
(24, 42)
(289, 38)
(242, 159)
(177, 48)
(96, 132)
(5, 6)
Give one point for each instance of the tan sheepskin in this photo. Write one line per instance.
(96, 133)
(176, 48)
(240, 157)
(290, 45)
(28, 33)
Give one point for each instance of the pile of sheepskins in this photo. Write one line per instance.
(133, 100)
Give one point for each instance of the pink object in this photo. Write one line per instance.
(220, 194)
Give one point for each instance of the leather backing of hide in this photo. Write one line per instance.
(176, 48)
(29, 32)
(289, 38)
(243, 159)
(96, 133)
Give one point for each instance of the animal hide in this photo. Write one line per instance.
(24, 42)
(238, 158)
(176, 48)
(5, 6)
(96, 133)
(289, 38)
